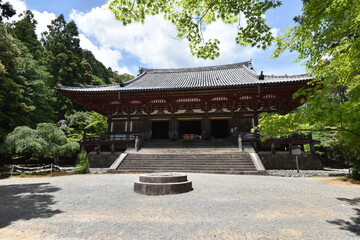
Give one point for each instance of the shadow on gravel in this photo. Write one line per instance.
(353, 225)
(26, 201)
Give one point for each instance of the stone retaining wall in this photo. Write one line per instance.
(287, 161)
(102, 160)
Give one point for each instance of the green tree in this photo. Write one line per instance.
(63, 59)
(326, 36)
(83, 166)
(24, 30)
(98, 69)
(190, 17)
(46, 141)
(115, 77)
(6, 10)
(63, 55)
(90, 122)
(34, 81)
(13, 109)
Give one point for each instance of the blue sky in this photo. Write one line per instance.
(154, 44)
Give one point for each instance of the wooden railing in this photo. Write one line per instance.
(257, 137)
(113, 137)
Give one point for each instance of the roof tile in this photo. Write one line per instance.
(238, 74)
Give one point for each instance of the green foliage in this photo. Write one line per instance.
(24, 30)
(190, 17)
(63, 55)
(332, 150)
(117, 78)
(46, 141)
(69, 149)
(6, 10)
(63, 59)
(13, 109)
(78, 120)
(90, 122)
(29, 72)
(9, 52)
(34, 81)
(26, 142)
(327, 40)
(83, 166)
(96, 80)
(98, 69)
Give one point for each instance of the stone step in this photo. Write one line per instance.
(190, 162)
(185, 164)
(192, 171)
(189, 165)
(186, 170)
(183, 156)
(213, 162)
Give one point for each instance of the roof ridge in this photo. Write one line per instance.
(198, 69)
(59, 86)
(287, 75)
(135, 78)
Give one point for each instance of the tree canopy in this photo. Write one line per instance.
(6, 10)
(191, 17)
(326, 36)
(46, 141)
(29, 71)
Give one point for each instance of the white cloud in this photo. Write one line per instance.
(154, 42)
(275, 31)
(44, 19)
(106, 55)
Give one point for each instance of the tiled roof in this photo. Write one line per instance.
(238, 74)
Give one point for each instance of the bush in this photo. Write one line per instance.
(356, 171)
(83, 166)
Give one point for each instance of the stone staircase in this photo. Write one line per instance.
(192, 157)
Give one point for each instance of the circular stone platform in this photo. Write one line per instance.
(162, 184)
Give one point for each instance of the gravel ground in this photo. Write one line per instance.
(327, 172)
(98, 206)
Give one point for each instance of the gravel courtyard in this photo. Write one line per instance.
(220, 207)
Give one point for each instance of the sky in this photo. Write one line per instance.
(153, 44)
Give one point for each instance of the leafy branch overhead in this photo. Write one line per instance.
(191, 17)
(326, 36)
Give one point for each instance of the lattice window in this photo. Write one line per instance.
(188, 100)
(115, 102)
(158, 101)
(245, 97)
(135, 102)
(269, 96)
(219, 98)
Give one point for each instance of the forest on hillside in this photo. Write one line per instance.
(30, 70)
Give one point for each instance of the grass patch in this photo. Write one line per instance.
(349, 180)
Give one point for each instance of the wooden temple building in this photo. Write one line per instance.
(216, 102)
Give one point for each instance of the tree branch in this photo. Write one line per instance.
(206, 11)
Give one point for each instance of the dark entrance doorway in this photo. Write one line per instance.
(160, 130)
(189, 127)
(219, 128)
